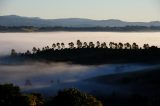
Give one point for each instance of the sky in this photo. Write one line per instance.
(127, 10)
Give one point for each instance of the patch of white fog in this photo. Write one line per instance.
(40, 72)
(46, 74)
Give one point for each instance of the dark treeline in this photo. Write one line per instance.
(11, 95)
(90, 53)
(59, 28)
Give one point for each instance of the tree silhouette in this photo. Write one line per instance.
(13, 52)
(43, 49)
(38, 50)
(10, 96)
(73, 97)
(54, 46)
(111, 45)
(79, 44)
(146, 46)
(85, 45)
(62, 45)
(47, 48)
(104, 45)
(115, 46)
(120, 45)
(28, 83)
(35, 99)
(98, 44)
(34, 49)
(58, 46)
(153, 47)
(135, 46)
(28, 52)
(91, 45)
(127, 46)
(71, 45)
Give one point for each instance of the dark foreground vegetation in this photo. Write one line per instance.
(10, 95)
(145, 91)
(90, 53)
(59, 28)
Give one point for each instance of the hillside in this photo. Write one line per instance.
(14, 20)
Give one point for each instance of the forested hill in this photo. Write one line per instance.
(14, 23)
(14, 20)
(90, 53)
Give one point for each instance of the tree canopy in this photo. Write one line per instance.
(73, 97)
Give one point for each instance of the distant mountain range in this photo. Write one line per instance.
(14, 20)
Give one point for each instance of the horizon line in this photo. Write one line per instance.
(76, 18)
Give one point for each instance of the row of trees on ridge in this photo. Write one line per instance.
(79, 44)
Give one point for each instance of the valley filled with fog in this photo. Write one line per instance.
(51, 77)
(46, 77)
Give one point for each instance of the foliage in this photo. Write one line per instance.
(10, 95)
(45, 29)
(99, 53)
(73, 97)
(35, 99)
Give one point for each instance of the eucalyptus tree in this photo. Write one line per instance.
(135, 46)
(47, 47)
(34, 49)
(115, 46)
(58, 46)
(146, 46)
(13, 52)
(71, 45)
(28, 52)
(63, 45)
(91, 45)
(43, 49)
(120, 45)
(111, 45)
(74, 97)
(85, 45)
(79, 44)
(127, 45)
(38, 50)
(104, 45)
(53, 45)
(98, 44)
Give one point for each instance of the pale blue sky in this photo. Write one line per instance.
(128, 10)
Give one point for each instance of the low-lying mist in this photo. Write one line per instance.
(46, 73)
(48, 78)
(42, 72)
